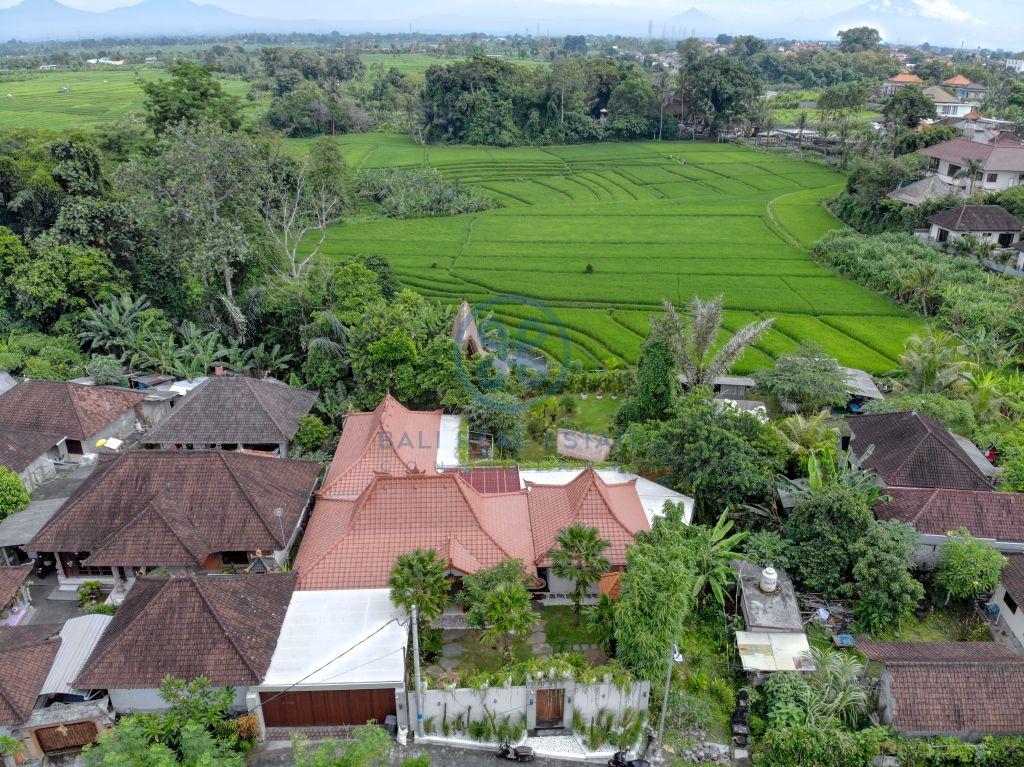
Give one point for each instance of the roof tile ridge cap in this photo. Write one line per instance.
(464, 486)
(112, 536)
(358, 505)
(602, 490)
(958, 453)
(216, 616)
(74, 407)
(258, 395)
(249, 500)
(174, 503)
(93, 659)
(83, 488)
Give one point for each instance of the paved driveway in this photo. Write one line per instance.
(440, 756)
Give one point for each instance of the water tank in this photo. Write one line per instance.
(769, 580)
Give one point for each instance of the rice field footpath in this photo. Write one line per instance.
(72, 100)
(589, 240)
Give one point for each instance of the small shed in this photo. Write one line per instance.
(728, 387)
(21, 527)
(763, 651)
(928, 188)
(991, 223)
(763, 610)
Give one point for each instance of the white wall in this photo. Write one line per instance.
(1004, 179)
(149, 700)
(1013, 622)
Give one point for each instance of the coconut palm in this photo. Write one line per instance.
(692, 343)
(418, 580)
(985, 392)
(971, 170)
(714, 551)
(932, 363)
(802, 433)
(508, 613)
(579, 556)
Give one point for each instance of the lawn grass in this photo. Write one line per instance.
(953, 623)
(594, 416)
(590, 239)
(481, 656)
(562, 631)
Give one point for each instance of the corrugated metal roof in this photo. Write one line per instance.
(78, 639)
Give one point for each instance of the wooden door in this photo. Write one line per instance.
(66, 737)
(550, 706)
(328, 707)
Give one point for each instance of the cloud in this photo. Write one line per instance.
(944, 10)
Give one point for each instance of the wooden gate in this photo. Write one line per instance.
(65, 737)
(327, 707)
(550, 707)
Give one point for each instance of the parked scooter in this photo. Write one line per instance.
(619, 760)
(517, 754)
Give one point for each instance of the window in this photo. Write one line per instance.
(1010, 602)
(992, 178)
(943, 235)
(952, 169)
(1005, 239)
(234, 558)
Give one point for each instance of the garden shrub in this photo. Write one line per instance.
(403, 193)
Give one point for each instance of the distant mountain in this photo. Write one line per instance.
(697, 22)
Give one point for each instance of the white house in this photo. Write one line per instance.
(1008, 600)
(1002, 162)
(990, 223)
(946, 104)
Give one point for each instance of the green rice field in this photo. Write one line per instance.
(94, 98)
(590, 239)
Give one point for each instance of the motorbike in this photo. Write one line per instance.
(620, 760)
(516, 754)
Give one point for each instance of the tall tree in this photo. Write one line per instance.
(719, 90)
(579, 556)
(418, 580)
(508, 613)
(190, 94)
(967, 567)
(859, 39)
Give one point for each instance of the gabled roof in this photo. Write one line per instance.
(235, 410)
(11, 579)
(391, 440)
(64, 409)
(20, 448)
(940, 653)
(928, 188)
(939, 96)
(977, 218)
(614, 510)
(1004, 155)
(904, 77)
(936, 511)
(142, 505)
(353, 544)
(913, 450)
(956, 80)
(30, 650)
(223, 627)
(980, 698)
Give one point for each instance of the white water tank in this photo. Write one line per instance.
(769, 580)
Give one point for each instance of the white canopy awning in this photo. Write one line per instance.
(336, 640)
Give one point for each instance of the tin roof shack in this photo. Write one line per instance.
(775, 639)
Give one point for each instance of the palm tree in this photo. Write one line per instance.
(839, 691)
(803, 433)
(692, 343)
(843, 131)
(986, 393)
(579, 556)
(801, 126)
(418, 580)
(714, 551)
(971, 170)
(932, 363)
(508, 613)
(920, 284)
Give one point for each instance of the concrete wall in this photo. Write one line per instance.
(149, 700)
(1004, 179)
(1011, 621)
(515, 701)
(119, 428)
(37, 472)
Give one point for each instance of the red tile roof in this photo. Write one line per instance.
(142, 507)
(972, 699)
(1013, 577)
(11, 579)
(235, 410)
(30, 650)
(957, 80)
(353, 544)
(66, 409)
(491, 479)
(614, 510)
(20, 448)
(936, 511)
(391, 440)
(913, 450)
(223, 627)
(895, 653)
(904, 77)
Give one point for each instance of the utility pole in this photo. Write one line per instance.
(673, 657)
(416, 667)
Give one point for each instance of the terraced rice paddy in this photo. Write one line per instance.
(94, 98)
(651, 221)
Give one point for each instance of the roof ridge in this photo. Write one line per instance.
(216, 616)
(245, 495)
(93, 657)
(463, 485)
(74, 406)
(258, 394)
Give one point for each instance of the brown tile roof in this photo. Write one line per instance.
(390, 440)
(936, 511)
(938, 95)
(66, 409)
(141, 506)
(904, 77)
(1013, 577)
(1003, 155)
(895, 653)
(223, 627)
(11, 579)
(491, 479)
(235, 410)
(353, 544)
(913, 450)
(977, 218)
(984, 698)
(19, 448)
(957, 80)
(614, 510)
(30, 650)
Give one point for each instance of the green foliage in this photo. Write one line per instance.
(651, 395)
(600, 621)
(313, 435)
(954, 414)
(807, 377)
(858, 39)
(418, 580)
(500, 414)
(578, 556)
(886, 591)
(967, 567)
(713, 551)
(404, 193)
(89, 593)
(368, 746)
(506, 613)
(13, 495)
(190, 94)
(815, 746)
(767, 547)
(720, 90)
(476, 586)
(105, 370)
(907, 108)
(825, 528)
